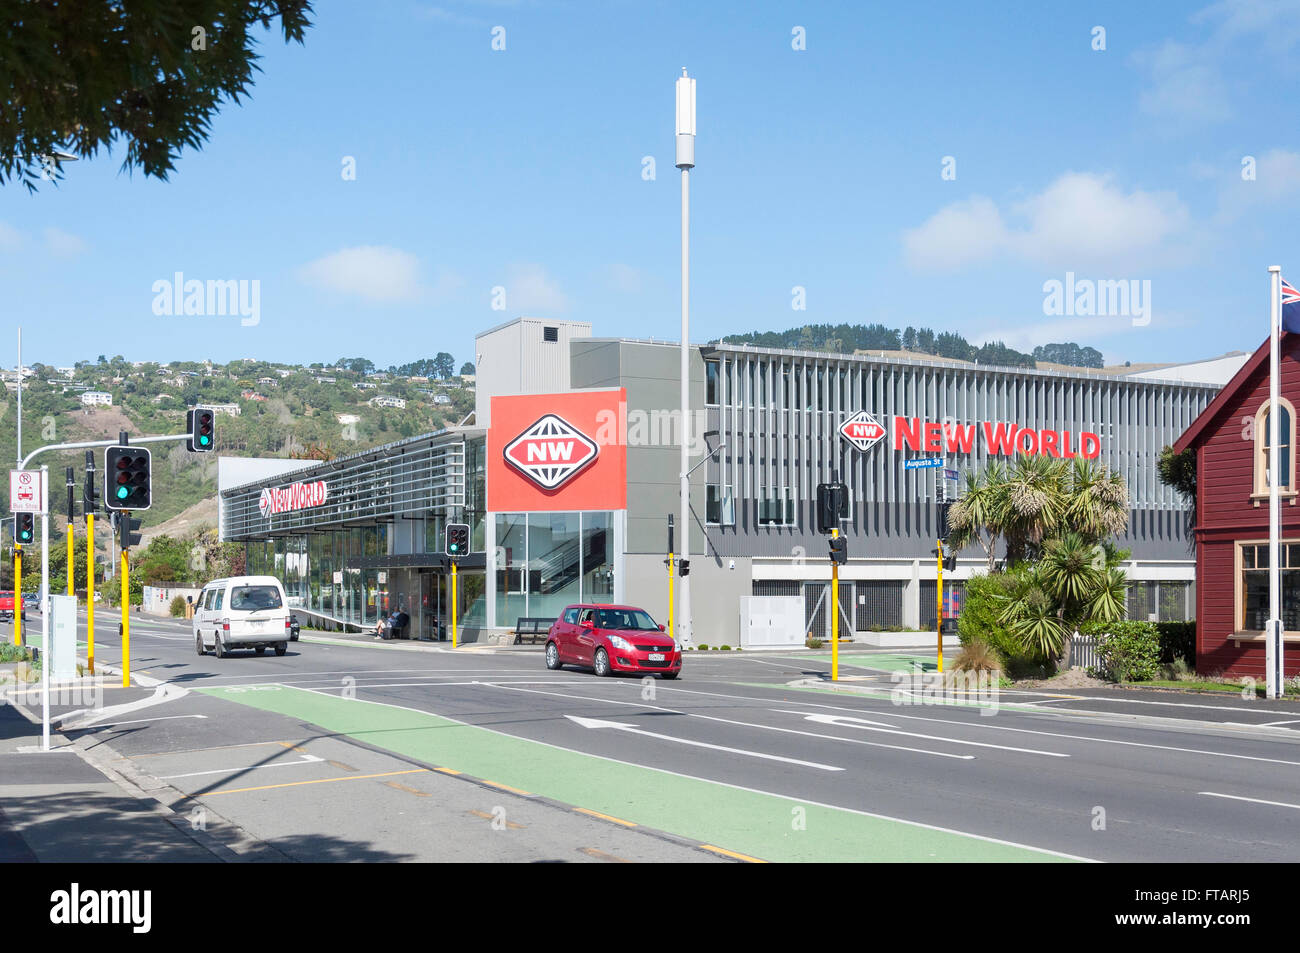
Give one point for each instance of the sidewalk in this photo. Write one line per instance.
(56, 807)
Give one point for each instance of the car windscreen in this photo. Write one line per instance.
(633, 619)
(251, 598)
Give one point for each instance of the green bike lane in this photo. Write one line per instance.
(722, 816)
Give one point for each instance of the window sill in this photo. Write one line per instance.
(1239, 637)
(1288, 495)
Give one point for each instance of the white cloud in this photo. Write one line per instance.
(625, 278)
(1080, 220)
(10, 238)
(529, 288)
(1277, 178)
(374, 272)
(61, 243)
(1184, 84)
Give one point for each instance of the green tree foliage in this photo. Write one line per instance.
(1071, 354)
(466, 368)
(1179, 471)
(79, 75)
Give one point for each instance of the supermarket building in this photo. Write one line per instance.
(568, 471)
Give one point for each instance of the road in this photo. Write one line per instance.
(346, 751)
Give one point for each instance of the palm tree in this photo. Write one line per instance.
(977, 514)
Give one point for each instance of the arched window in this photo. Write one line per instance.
(1286, 448)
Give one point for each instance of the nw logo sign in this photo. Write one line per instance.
(551, 452)
(862, 430)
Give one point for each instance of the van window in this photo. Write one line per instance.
(221, 597)
(207, 598)
(251, 598)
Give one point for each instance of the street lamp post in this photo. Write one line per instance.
(685, 162)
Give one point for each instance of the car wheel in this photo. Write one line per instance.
(218, 649)
(602, 662)
(552, 656)
(198, 645)
(669, 675)
(280, 648)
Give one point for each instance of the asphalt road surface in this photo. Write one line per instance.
(397, 752)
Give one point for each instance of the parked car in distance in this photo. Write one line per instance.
(242, 612)
(609, 639)
(7, 606)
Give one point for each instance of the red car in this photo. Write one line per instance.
(7, 606)
(612, 639)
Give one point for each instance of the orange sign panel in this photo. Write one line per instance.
(557, 452)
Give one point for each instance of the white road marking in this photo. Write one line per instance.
(91, 716)
(633, 729)
(727, 721)
(141, 721)
(306, 759)
(848, 721)
(789, 799)
(1253, 800)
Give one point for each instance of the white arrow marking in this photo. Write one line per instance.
(848, 721)
(306, 759)
(633, 729)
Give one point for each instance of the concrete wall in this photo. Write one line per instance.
(715, 594)
(515, 358)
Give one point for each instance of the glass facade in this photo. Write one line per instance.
(545, 561)
(316, 573)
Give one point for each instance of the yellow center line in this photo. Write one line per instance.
(601, 855)
(294, 784)
(604, 817)
(506, 787)
(732, 853)
(446, 770)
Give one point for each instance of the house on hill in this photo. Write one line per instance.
(1231, 441)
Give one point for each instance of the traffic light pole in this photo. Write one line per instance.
(669, 561)
(126, 608)
(835, 614)
(91, 444)
(46, 660)
(90, 592)
(453, 604)
(71, 563)
(938, 592)
(18, 593)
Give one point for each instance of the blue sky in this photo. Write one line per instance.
(818, 168)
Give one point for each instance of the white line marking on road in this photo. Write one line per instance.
(141, 721)
(849, 721)
(633, 729)
(1270, 724)
(985, 725)
(727, 721)
(306, 759)
(91, 716)
(1253, 800)
(789, 799)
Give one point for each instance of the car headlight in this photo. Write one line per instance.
(620, 643)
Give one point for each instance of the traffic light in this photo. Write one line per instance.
(832, 504)
(201, 424)
(127, 537)
(128, 478)
(457, 540)
(683, 567)
(24, 528)
(944, 528)
(839, 549)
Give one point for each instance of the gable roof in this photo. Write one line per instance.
(1201, 424)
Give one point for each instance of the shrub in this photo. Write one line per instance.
(703, 647)
(814, 643)
(1177, 642)
(978, 656)
(178, 607)
(980, 621)
(1129, 651)
(725, 648)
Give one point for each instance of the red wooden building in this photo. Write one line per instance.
(1230, 439)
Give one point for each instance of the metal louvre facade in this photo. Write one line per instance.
(778, 414)
(413, 476)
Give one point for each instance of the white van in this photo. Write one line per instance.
(242, 612)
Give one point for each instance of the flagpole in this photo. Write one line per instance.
(1273, 638)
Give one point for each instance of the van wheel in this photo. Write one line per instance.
(280, 648)
(198, 645)
(218, 649)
